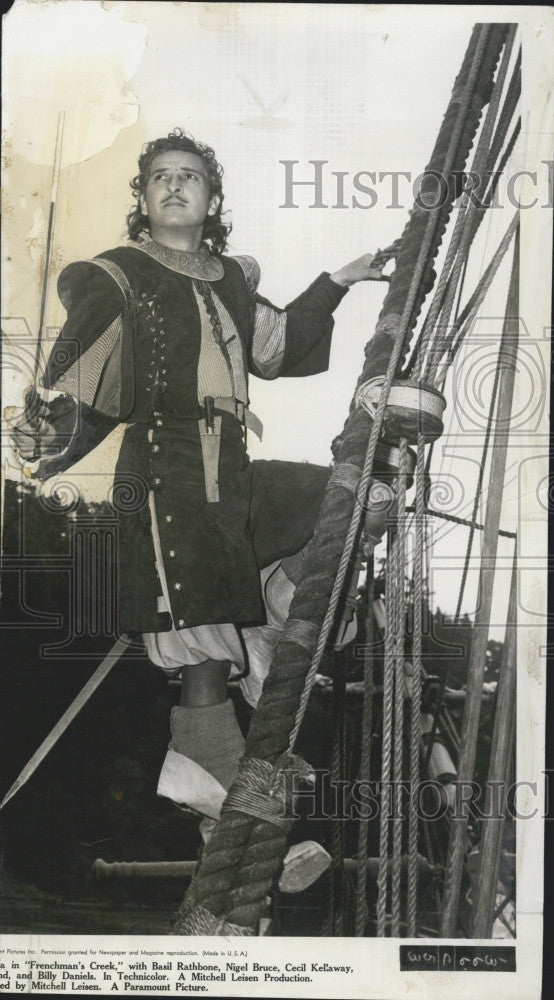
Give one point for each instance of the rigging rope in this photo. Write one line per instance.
(503, 124)
(470, 311)
(334, 921)
(417, 666)
(476, 667)
(460, 520)
(472, 523)
(243, 854)
(396, 593)
(464, 230)
(398, 330)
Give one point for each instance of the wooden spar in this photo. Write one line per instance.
(49, 234)
(493, 825)
(106, 870)
(476, 669)
(111, 870)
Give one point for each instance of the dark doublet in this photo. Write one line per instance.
(212, 551)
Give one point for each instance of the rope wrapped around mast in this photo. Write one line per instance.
(242, 857)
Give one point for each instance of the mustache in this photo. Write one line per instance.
(174, 197)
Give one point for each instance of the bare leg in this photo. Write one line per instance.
(204, 683)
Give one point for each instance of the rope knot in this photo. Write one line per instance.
(289, 762)
(254, 793)
(382, 257)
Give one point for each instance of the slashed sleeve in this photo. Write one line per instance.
(83, 415)
(294, 341)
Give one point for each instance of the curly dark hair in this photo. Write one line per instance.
(215, 230)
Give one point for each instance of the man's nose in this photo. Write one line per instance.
(174, 185)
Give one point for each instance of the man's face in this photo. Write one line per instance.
(177, 193)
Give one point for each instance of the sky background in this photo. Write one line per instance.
(362, 87)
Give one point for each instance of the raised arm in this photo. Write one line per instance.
(295, 341)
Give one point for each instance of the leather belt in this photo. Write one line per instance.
(229, 404)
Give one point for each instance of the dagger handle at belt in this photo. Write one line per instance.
(209, 414)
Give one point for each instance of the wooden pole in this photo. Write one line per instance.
(491, 837)
(476, 669)
(115, 870)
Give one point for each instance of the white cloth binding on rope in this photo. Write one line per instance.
(410, 395)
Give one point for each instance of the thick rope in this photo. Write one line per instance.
(204, 922)
(250, 794)
(397, 328)
(474, 212)
(510, 103)
(300, 632)
(465, 228)
(505, 117)
(347, 475)
(471, 90)
(243, 854)
(443, 302)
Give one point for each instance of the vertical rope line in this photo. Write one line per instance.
(470, 310)
(432, 220)
(471, 535)
(365, 755)
(466, 763)
(461, 242)
(449, 276)
(330, 927)
(388, 693)
(466, 105)
(339, 822)
(399, 630)
(504, 120)
(417, 667)
(510, 103)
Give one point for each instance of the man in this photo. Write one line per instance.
(161, 334)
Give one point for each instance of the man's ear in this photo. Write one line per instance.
(214, 204)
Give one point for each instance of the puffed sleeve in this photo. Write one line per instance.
(89, 345)
(93, 302)
(294, 341)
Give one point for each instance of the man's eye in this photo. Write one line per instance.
(188, 176)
